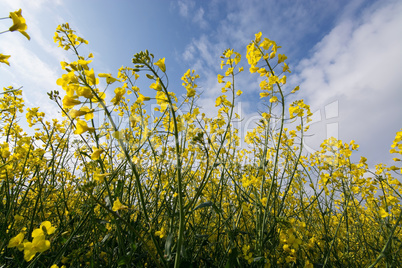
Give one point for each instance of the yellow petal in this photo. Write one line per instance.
(42, 245)
(4, 59)
(47, 227)
(15, 241)
(81, 127)
(383, 213)
(100, 176)
(96, 153)
(161, 64)
(70, 102)
(117, 135)
(157, 86)
(29, 252)
(273, 99)
(117, 205)
(258, 37)
(37, 232)
(25, 34)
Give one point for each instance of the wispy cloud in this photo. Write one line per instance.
(185, 6)
(188, 9)
(36, 71)
(339, 51)
(359, 63)
(31, 5)
(198, 18)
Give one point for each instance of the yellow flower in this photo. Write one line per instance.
(4, 59)
(228, 53)
(19, 23)
(253, 69)
(237, 58)
(295, 89)
(266, 116)
(109, 78)
(162, 100)
(383, 213)
(16, 240)
(134, 119)
(98, 177)
(157, 86)
(308, 265)
(161, 233)
(96, 153)
(273, 79)
(84, 63)
(69, 102)
(258, 37)
(191, 92)
(118, 134)
(101, 96)
(161, 64)
(281, 58)
(141, 98)
(85, 92)
(47, 227)
(18, 218)
(218, 101)
(83, 111)
(273, 99)
(229, 71)
(120, 91)
(220, 77)
(66, 80)
(64, 260)
(285, 68)
(83, 127)
(91, 79)
(117, 205)
(283, 80)
(38, 244)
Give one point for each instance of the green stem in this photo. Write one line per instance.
(385, 248)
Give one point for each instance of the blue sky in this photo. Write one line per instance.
(345, 55)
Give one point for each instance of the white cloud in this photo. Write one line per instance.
(32, 73)
(359, 63)
(34, 63)
(199, 18)
(185, 6)
(356, 62)
(188, 9)
(27, 65)
(34, 5)
(188, 54)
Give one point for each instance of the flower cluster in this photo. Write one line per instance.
(172, 187)
(37, 245)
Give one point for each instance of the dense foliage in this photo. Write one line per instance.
(113, 186)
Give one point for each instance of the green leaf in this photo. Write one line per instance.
(168, 246)
(119, 188)
(232, 262)
(258, 259)
(205, 204)
(123, 261)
